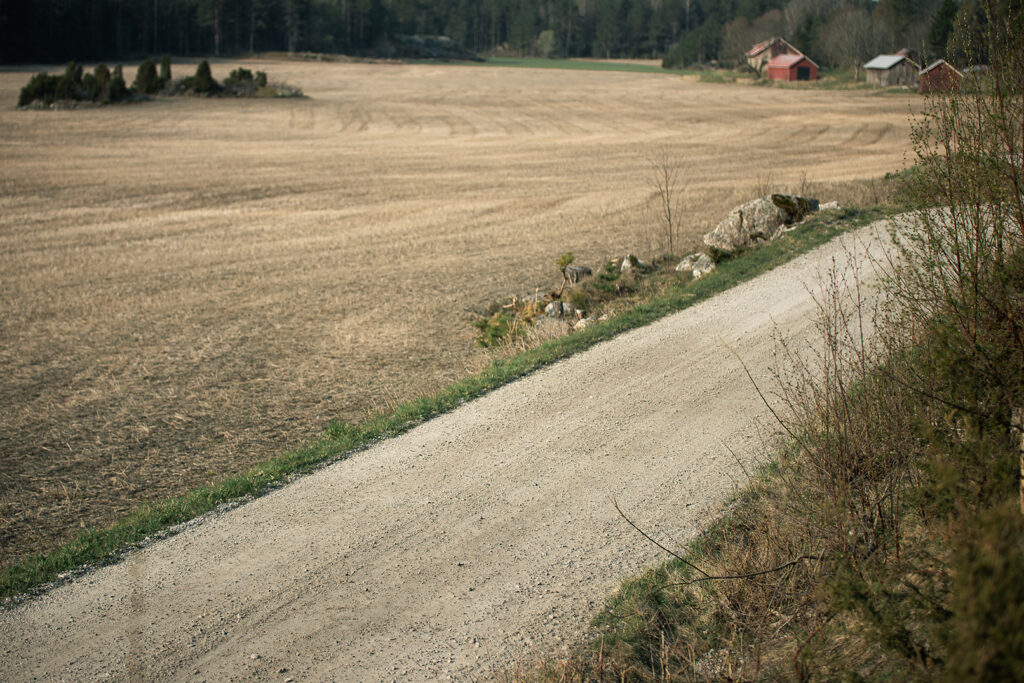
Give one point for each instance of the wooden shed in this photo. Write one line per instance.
(767, 50)
(940, 76)
(888, 70)
(792, 68)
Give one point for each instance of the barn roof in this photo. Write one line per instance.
(760, 47)
(885, 61)
(765, 44)
(787, 61)
(937, 63)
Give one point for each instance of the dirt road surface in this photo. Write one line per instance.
(467, 545)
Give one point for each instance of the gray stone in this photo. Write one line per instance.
(686, 265)
(576, 273)
(761, 219)
(559, 309)
(631, 262)
(698, 264)
(704, 265)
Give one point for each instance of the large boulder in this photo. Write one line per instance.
(796, 207)
(761, 219)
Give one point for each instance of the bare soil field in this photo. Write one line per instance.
(189, 286)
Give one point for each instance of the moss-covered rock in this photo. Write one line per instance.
(797, 207)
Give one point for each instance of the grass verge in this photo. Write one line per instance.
(105, 545)
(882, 542)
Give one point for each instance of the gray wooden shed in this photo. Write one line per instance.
(889, 70)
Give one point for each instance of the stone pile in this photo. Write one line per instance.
(755, 222)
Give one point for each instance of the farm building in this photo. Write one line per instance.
(767, 50)
(792, 68)
(886, 70)
(909, 54)
(940, 76)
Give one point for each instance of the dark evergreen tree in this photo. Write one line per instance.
(58, 30)
(101, 83)
(942, 27)
(203, 82)
(69, 85)
(524, 25)
(117, 89)
(607, 28)
(165, 70)
(41, 87)
(146, 80)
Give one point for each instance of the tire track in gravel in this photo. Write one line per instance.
(471, 542)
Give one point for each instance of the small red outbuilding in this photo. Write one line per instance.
(792, 68)
(940, 76)
(762, 53)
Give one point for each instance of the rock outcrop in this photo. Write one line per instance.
(761, 219)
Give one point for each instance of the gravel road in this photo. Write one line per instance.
(471, 543)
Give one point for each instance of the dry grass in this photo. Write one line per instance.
(191, 285)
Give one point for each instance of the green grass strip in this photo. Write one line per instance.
(105, 545)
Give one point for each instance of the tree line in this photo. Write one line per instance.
(833, 32)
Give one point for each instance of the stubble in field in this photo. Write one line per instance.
(189, 286)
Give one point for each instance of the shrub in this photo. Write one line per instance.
(89, 86)
(494, 329)
(203, 83)
(101, 83)
(165, 71)
(261, 79)
(41, 87)
(238, 75)
(117, 90)
(241, 83)
(146, 80)
(674, 58)
(69, 85)
(49, 89)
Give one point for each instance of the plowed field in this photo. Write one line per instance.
(190, 285)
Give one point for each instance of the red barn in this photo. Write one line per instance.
(940, 76)
(792, 68)
(766, 50)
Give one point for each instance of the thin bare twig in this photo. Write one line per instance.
(749, 575)
(708, 577)
(648, 537)
(764, 399)
(737, 459)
